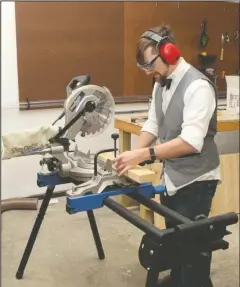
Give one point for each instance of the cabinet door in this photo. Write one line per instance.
(138, 17)
(57, 41)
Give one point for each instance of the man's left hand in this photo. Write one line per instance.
(128, 159)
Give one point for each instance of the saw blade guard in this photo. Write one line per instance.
(96, 118)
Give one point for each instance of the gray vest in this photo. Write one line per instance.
(187, 168)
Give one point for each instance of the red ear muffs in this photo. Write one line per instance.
(170, 53)
(167, 50)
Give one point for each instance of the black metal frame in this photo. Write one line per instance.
(34, 232)
(190, 242)
(185, 243)
(159, 250)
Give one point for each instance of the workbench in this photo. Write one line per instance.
(227, 195)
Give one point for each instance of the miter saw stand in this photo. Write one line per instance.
(188, 243)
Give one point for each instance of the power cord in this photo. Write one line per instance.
(59, 118)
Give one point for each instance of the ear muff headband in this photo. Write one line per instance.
(168, 51)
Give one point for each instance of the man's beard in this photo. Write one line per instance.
(159, 78)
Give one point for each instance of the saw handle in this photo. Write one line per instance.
(89, 107)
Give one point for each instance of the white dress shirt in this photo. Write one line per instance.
(199, 105)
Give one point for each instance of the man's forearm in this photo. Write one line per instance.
(171, 149)
(145, 139)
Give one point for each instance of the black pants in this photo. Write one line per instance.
(190, 201)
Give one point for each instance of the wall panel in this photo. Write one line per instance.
(57, 41)
(185, 18)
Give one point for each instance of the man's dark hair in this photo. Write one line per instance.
(144, 43)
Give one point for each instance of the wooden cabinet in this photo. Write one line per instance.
(227, 194)
(57, 41)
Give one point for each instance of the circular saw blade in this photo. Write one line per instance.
(94, 122)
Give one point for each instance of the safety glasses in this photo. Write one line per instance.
(149, 65)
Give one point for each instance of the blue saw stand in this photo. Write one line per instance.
(82, 203)
(96, 200)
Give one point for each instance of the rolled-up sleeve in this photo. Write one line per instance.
(199, 106)
(151, 124)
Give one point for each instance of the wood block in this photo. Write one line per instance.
(106, 155)
(158, 220)
(137, 173)
(147, 214)
(140, 174)
(125, 144)
(226, 198)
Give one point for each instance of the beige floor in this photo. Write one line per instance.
(65, 256)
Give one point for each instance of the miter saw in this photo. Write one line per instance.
(89, 110)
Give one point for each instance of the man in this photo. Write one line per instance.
(183, 118)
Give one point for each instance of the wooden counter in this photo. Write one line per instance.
(227, 197)
(123, 123)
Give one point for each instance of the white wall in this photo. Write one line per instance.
(9, 76)
(19, 174)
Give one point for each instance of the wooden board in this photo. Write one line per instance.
(225, 122)
(138, 173)
(227, 195)
(155, 218)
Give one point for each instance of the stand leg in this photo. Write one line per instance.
(34, 232)
(209, 283)
(96, 235)
(152, 278)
